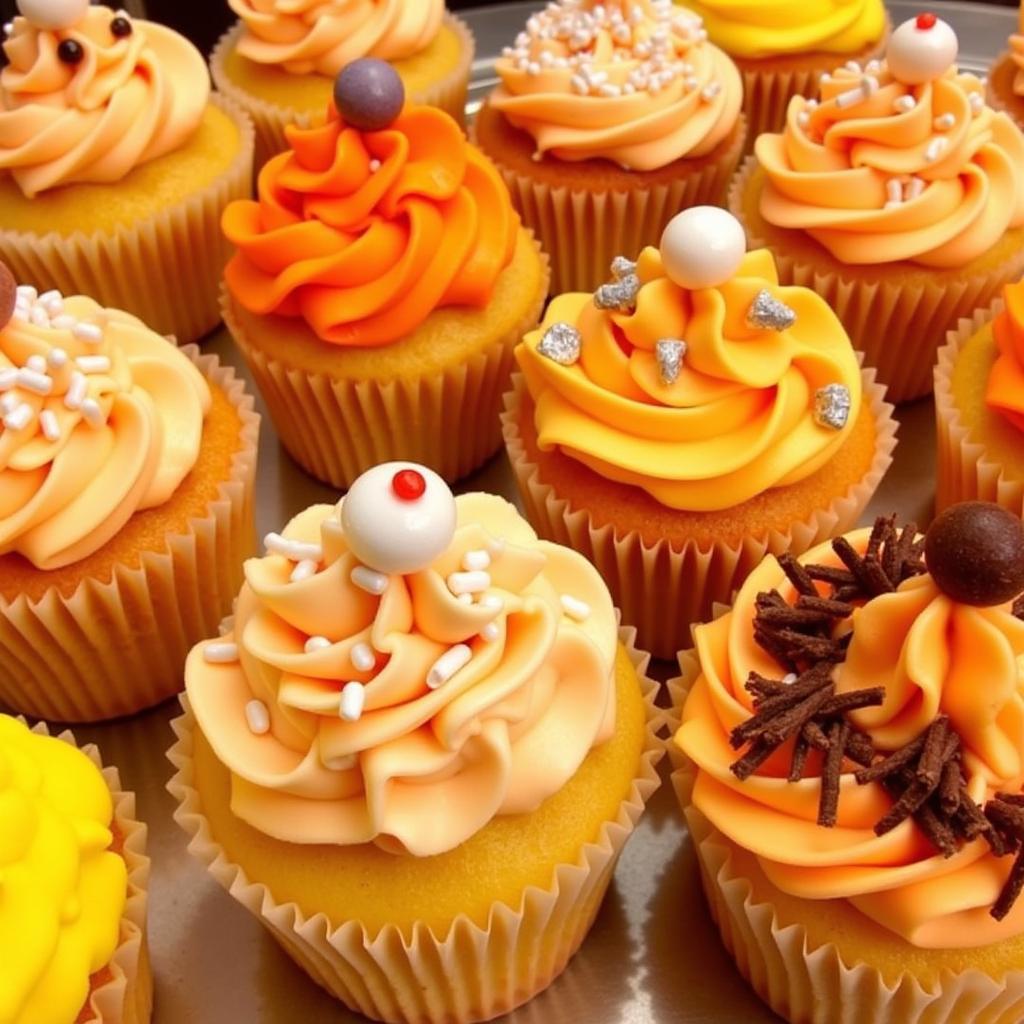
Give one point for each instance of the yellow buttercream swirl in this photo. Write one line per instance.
(62, 889)
(422, 769)
(126, 431)
(876, 184)
(127, 101)
(322, 36)
(739, 419)
(773, 28)
(642, 91)
(932, 655)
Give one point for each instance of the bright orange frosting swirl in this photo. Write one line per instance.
(364, 235)
(633, 82)
(127, 101)
(739, 418)
(932, 655)
(322, 36)
(876, 184)
(1005, 391)
(422, 769)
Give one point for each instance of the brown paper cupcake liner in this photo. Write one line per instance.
(965, 471)
(449, 93)
(662, 589)
(165, 269)
(468, 974)
(127, 997)
(898, 326)
(337, 429)
(113, 648)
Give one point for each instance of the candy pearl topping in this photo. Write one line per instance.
(369, 94)
(70, 51)
(53, 14)
(392, 529)
(922, 50)
(702, 247)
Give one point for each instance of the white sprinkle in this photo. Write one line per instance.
(38, 317)
(490, 632)
(575, 608)
(789, 678)
(92, 413)
(454, 659)
(8, 403)
(370, 580)
(19, 417)
(36, 363)
(374, 166)
(8, 378)
(854, 66)
(57, 358)
(26, 292)
(64, 322)
(258, 717)
(93, 364)
(221, 653)
(803, 119)
(304, 570)
(465, 598)
(944, 122)
(904, 103)
(935, 149)
(52, 301)
(894, 190)
(88, 332)
(977, 102)
(37, 383)
(50, 426)
(75, 394)
(294, 550)
(475, 561)
(353, 697)
(710, 91)
(469, 582)
(492, 602)
(316, 643)
(363, 657)
(914, 188)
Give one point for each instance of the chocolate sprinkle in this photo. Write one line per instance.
(1005, 813)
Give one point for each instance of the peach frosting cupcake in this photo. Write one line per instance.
(1006, 79)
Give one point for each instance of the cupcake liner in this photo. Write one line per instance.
(965, 472)
(271, 119)
(112, 648)
(337, 429)
(470, 973)
(583, 230)
(127, 997)
(165, 269)
(898, 326)
(662, 589)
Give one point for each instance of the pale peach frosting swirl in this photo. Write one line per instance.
(932, 655)
(630, 81)
(322, 36)
(738, 420)
(421, 770)
(128, 100)
(1005, 392)
(101, 418)
(937, 184)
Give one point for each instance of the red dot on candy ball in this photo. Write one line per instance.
(926, 20)
(408, 484)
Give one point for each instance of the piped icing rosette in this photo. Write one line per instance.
(322, 36)
(405, 669)
(694, 375)
(89, 97)
(881, 793)
(1005, 391)
(631, 81)
(99, 418)
(899, 160)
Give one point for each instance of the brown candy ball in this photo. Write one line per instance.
(8, 295)
(975, 553)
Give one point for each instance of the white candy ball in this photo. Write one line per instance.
(391, 528)
(921, 50)
(702, 247)
(53, 14)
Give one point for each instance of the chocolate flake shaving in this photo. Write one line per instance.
(1005, 814)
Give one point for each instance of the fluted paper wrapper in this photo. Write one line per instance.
(662, 589)
(469, 974)
(117, 647)
(898, 326)
(806, 985)
(164, 269)
(337, 429)
(582, 231)
(449, 93)
(127, 998)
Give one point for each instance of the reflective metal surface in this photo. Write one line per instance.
(653, 954)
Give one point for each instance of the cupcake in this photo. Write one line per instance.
(116, 164)
(126, 470)
(688, 418)
(979, 407)
(1006, 79)
(782, 48)
(851, 759)
(380, 283)
(280, 60)
(74, 865)
(610, 118)
(898, 196)
(419, 749)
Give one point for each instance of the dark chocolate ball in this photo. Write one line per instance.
(369, 94)
(120, 27)
(975, 553)
(8, 295)
(70, 51)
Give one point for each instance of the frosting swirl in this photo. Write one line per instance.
(929, 653)
(415, 769)
(64, 889)
(755, 28)
(364, 235)
(126, 101)
(634, 83)
(738, 419)
(101, 418)
(1005, 393)
(322, 36)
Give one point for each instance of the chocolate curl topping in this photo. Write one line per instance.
(1005, 813)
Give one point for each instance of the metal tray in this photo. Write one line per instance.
(653, 954)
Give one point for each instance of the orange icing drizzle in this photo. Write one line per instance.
(1006, 381)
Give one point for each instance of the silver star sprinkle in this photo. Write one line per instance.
(769, 313)
(832, 406)
(669, 353)
(561, 344)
